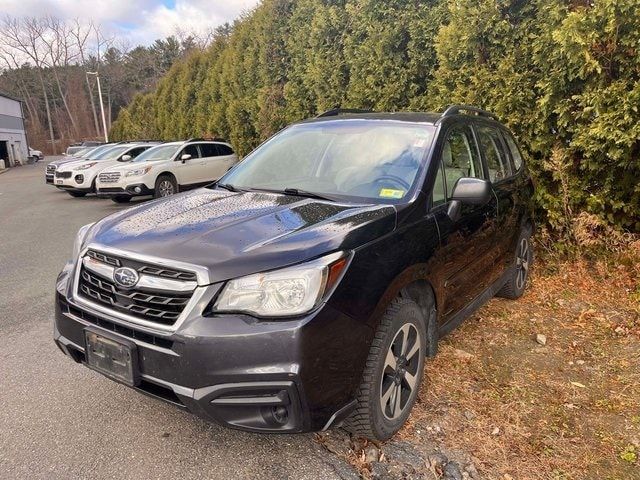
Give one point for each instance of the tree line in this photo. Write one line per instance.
(563, 74)
(45, 62)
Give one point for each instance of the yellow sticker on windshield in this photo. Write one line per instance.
(391, 193)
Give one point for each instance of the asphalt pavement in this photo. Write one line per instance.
(62, 420)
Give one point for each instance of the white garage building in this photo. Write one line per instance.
(13, 139)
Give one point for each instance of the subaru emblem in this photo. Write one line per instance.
(125, 277)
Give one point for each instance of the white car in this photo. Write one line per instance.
(167, 169)
(84, 153)
(78, 178)
(35, 155)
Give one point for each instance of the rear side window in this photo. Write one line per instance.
(460, 158)
(497, 158)
(513, 148)
(224, 149)
(209, 150)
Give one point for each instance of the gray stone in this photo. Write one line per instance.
(371, 454)
(380, 471)
(452, 472)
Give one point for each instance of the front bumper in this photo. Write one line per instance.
(80, 181)
(271, 376)
(132, 190)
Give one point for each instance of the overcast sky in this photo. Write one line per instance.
(135, 21)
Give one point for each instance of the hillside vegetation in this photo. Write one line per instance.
(564, 75)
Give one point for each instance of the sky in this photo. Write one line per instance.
(135, 21)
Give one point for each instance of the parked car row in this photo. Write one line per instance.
(124, 170)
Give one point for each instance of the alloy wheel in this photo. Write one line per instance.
(522, 263)
(400, 372)
(166, 188)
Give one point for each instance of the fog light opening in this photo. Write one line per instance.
(137, 189)
(79, 178)
(280, 414)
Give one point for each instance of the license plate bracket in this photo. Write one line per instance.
(112, 356)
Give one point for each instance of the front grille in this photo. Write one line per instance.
(51, 169)
(142, 267)
(109, 177)
(167, 273)
(63, 174)
(113, 327)
(101, 257)
(157, 306)
(153, 307)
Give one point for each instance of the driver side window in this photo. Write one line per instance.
(460, 158)
(190, 150)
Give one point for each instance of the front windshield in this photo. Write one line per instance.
(83, 151)
(162, 152)
(112, 153)
(95, 151)
(370, 159)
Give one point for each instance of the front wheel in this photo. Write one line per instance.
(393, 372)
(165, 186)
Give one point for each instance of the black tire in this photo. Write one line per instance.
(375, 417)
(76, 194)
(521, 268)
(162, 188)
(121, 199)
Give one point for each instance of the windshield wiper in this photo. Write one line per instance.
(227, 186)
(303, 193)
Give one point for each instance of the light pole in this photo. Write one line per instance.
(104, 122)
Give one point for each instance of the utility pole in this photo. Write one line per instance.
(104, 121)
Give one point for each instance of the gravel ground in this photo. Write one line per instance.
(61, 420)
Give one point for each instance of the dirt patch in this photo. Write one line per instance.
(546, 387)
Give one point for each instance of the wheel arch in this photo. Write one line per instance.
(418, 285)
(166, 173)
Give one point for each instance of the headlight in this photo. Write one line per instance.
(80, 238)
(85, 166)
(285, 292)
(138, 171)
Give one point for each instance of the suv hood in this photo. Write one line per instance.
(64, 161)
(235, 234)
(73, 164)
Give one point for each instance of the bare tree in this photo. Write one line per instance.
(81, 33)
(60, 53)
(10, 59)
(25, 36)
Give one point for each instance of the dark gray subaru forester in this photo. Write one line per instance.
(305, 288)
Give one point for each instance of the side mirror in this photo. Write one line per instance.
(470, 191)
(184, 157)
(126, 158)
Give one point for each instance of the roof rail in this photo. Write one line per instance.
(341, 111)
(457, 109)
(209, 139)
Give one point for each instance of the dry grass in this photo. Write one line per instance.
(566, 410)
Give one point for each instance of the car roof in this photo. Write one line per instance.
(455, 111)
(411, 117)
